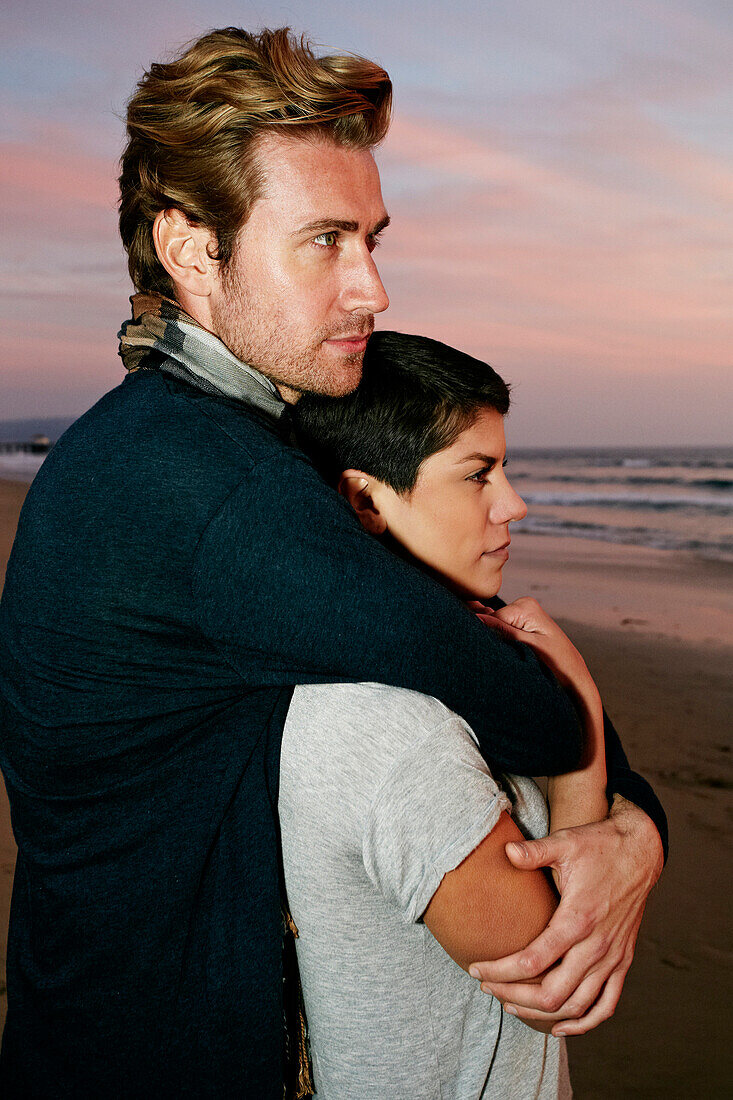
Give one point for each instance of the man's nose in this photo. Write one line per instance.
(363, 288)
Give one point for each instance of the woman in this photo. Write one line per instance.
(393, 827)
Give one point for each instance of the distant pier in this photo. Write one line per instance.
(37, 445)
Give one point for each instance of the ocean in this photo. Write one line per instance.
(665, 498)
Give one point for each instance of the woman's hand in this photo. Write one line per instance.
(525, 621)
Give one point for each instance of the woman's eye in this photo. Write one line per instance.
(480, 477)
(328, 240)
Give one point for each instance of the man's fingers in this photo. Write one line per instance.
(528, 855)
(573, 1008)
(533, 960)
(582, 956)
(602, 1010)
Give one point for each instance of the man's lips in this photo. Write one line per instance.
(351, 343)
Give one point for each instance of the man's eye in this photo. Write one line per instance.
(374, 240)
(327, 240)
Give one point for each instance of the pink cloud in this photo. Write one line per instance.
(481, 161)
(31, 175)
(617, 273)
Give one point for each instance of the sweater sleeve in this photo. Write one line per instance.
(622, 780)
(291, 590)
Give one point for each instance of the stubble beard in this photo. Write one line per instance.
(256, 333)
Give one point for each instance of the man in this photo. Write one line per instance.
(179, 566)
(393, 829)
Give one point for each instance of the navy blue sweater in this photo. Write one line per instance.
(178, 567)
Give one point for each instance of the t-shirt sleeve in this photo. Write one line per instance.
(434, 806)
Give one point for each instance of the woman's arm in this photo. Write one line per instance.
(486, 908)
(573, 972)
(624, 786)
(577, 797)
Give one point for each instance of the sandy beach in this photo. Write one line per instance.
(655, 628)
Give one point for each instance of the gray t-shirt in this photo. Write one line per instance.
(382, 792)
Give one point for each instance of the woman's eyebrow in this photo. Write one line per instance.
(487, 460)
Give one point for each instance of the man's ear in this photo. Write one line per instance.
(184, 249)
(358, 488)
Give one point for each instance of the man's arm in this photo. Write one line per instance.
(290, 589)
(627, 785)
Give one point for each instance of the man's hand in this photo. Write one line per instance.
(604, 873)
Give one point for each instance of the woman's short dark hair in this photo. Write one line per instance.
(415, 397)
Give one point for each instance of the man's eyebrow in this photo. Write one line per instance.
(323, 225)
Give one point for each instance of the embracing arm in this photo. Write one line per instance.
(627, 786)
(289, 587)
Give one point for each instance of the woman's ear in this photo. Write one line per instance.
(358, 488)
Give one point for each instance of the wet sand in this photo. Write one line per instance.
(656, 630)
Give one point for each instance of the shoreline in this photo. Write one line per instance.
(661, 593)
(655, 629)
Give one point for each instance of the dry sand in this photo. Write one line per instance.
(656, 630)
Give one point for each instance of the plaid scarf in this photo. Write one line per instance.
(192, 353)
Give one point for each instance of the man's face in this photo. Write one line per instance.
(456, 518)
(298, 300)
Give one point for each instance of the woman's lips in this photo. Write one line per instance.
(501, 553)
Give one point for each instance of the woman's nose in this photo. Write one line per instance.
(509, 507)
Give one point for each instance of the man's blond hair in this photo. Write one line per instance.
(193, 127)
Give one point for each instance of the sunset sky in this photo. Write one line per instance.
(559, 176)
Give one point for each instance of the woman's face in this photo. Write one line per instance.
(456, 518)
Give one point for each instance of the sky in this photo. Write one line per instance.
(559, 177)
